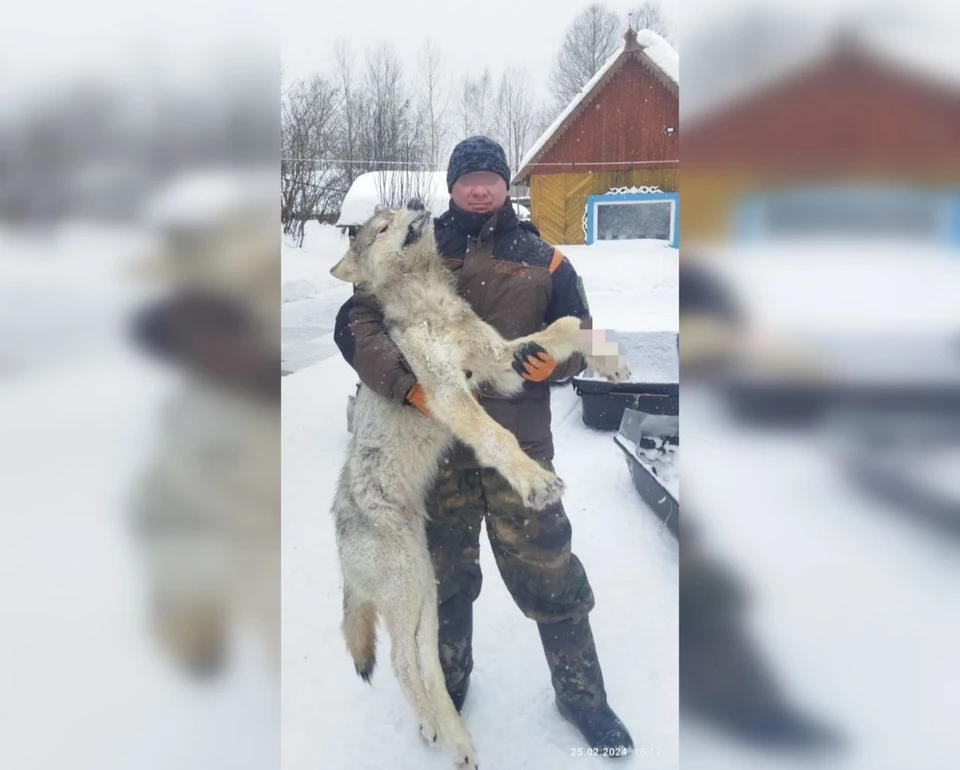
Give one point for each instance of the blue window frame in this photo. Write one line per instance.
(925, 214)
(667, 213)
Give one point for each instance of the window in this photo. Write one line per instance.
(618, 217)
(848, 212)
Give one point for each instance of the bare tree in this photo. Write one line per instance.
(543, 117)
(476, 106)
(348, 128)
(650, 15)
(484, 123)
(589, 41)
(465, 99)
(392, 138)
(432, 99)
(307, 135)
(398, 186)
(385, 103)
(516, 114)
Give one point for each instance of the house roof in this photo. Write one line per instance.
(645, 45)
(927, 57)
(375, 187)
(852, 106)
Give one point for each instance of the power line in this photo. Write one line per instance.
(606, 163)
(554, 163)
(358, 162)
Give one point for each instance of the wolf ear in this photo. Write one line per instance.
(380, 208)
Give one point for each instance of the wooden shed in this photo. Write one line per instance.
(608, 166)
(852, 142)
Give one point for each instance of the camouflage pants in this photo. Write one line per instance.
(534, 558)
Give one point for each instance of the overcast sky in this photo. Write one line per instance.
(471, 35)
(49, 44)
(44, 42)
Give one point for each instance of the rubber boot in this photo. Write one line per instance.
(578, 682)
(456, 647)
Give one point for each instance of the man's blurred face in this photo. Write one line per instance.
(479, 192)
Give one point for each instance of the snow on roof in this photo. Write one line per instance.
(375, 187)
(661, 53)
(655, 48)
(522, 211)
(207, 198)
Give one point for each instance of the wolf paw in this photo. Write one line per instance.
(620, 374)
(547, 495)
(429, 732)
(456, 740)
(614, 369)
(540, 488)
(467, 758)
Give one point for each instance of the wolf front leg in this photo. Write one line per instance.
(564, 337)
(561, 340)
(493, 361)
(494, 446)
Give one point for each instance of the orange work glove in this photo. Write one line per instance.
(533, 363)
(418, 398)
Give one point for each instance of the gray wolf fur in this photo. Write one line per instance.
(395, 453)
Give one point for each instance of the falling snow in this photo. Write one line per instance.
(328, 711)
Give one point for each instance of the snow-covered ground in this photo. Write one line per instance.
(837, 286)
(84, 684)
(631, 285)
(330, 718)
(856, 603)
(310, 296)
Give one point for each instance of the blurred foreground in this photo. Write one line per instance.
(139, 396)
(820, 360)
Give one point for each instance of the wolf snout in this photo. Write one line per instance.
(415, 204)
(417, 225)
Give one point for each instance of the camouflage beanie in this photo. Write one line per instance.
(477, 153)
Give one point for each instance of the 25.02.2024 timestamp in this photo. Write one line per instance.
(619, 751)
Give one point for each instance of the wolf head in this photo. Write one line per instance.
(389, 244)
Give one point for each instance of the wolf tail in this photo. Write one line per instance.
(360, 630)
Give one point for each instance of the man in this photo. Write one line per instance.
(518, 284)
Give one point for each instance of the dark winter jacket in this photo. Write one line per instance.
(515, 282)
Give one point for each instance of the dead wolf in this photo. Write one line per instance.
(395, 452)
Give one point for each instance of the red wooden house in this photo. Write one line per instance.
(591, 173)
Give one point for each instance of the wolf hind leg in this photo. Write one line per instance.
(401, 619)
(454, 736)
